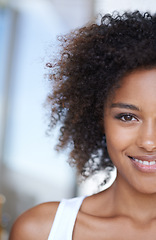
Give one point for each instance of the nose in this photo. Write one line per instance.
(146, 138)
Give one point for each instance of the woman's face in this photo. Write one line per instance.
(130, 129)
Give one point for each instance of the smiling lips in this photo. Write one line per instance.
(144, 163)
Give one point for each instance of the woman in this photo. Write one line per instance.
(105, 97)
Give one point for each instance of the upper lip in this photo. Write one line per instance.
(148, 158)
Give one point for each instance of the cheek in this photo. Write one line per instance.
(118, 138)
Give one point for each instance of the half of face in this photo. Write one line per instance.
(130, 129)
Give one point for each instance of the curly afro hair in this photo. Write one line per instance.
(91, 63)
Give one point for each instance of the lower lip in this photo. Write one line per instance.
(144, 168)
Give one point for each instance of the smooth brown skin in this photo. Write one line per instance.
(127, 210)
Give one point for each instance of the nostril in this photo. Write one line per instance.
(148, 146)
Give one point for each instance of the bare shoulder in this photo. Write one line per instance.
(35, 223)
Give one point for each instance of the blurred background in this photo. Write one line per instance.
(31, 171)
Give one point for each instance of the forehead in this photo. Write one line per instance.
(138, 85)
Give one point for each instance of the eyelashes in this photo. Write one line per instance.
(126, 117)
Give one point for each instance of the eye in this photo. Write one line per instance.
(126, 117)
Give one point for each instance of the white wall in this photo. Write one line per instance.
(108, 6)
(32, 171)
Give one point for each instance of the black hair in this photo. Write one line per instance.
(92, 61)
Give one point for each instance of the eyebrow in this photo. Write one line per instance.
(125, 105)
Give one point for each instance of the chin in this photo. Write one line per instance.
(146, 189)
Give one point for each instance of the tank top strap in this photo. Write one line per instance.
(65, 218)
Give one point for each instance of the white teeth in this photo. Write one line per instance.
(152, 162)
(145, 162)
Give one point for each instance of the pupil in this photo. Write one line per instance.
(128, 118)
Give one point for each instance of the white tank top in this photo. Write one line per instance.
(63, 225)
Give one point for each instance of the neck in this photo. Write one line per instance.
(128, 201)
